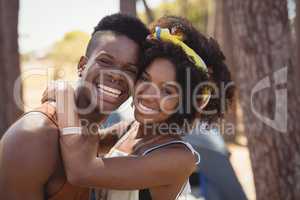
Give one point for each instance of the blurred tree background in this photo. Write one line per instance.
(197, 11)
(9, 59)
(258, 38)
(65, 53)
(267, 76)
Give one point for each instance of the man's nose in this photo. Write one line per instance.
(115, 76)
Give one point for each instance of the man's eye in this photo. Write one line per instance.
(133, 71)
(105, 61)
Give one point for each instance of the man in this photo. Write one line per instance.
(30, 162)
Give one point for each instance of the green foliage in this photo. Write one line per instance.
(66, 53)
(70, 48)
(25, 57)
(194, 10)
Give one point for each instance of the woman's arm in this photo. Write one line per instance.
(164, 167)
(111, 135)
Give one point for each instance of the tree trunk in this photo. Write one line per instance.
(261, 33)
(9, 59)
(211, 21)
(128, 7)
(149, 13)
(219, 28)
(183, 7)
(298, 30)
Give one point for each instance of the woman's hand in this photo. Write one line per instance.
(63, 94)
(78, 149)
(65, 106)
(49, 93)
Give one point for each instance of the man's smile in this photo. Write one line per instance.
(113, 92)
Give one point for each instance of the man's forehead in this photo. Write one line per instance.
(118, 46)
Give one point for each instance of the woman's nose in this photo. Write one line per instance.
(151, 93)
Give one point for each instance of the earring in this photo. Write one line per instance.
(81, 70)
(79, 73)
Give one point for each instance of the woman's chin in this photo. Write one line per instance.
(147, 119)
(142, 118)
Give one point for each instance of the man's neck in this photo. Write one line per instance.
(94, 117)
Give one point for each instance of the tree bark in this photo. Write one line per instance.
(262, 38)
(298, 30)
(184, 6)
(219, 28)
(128, 7)
(9, 59)
(149, 13)
(212, 18)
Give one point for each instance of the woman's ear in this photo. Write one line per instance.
(202, 102)
(81, 64)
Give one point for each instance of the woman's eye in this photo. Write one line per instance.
(144, 78)
(167, 91)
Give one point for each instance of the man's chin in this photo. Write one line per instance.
(107, 107)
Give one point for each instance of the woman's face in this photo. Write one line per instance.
(156, 93)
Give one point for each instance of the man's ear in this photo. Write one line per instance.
(81, 64)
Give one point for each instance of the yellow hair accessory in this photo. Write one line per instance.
(165, 35)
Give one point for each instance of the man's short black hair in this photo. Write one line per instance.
(122, 24)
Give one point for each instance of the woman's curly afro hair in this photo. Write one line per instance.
(208, 49)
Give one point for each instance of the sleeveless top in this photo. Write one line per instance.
(67, 191)
(110, 194)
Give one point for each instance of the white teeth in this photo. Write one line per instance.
(109, 91)
(146, 109)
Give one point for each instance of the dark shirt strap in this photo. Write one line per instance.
(145, 194)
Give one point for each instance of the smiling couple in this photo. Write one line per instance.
(47, 154)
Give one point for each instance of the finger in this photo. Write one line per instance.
(61, 103)
(72, 115)
(45, 95)
(49, 93)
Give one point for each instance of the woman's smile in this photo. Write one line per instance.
(143, 108)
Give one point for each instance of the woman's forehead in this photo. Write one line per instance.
(162, 70)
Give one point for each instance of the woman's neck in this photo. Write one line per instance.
(145, 131)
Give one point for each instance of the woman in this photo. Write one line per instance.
(150, 161)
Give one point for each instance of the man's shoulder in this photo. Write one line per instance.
(36, 121)
(33, 126)
(31, 143)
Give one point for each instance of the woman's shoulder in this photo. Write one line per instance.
(174, 158)
(176, 149)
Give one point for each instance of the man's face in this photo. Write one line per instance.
(109, 74)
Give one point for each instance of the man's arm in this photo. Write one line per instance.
(29, 154)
